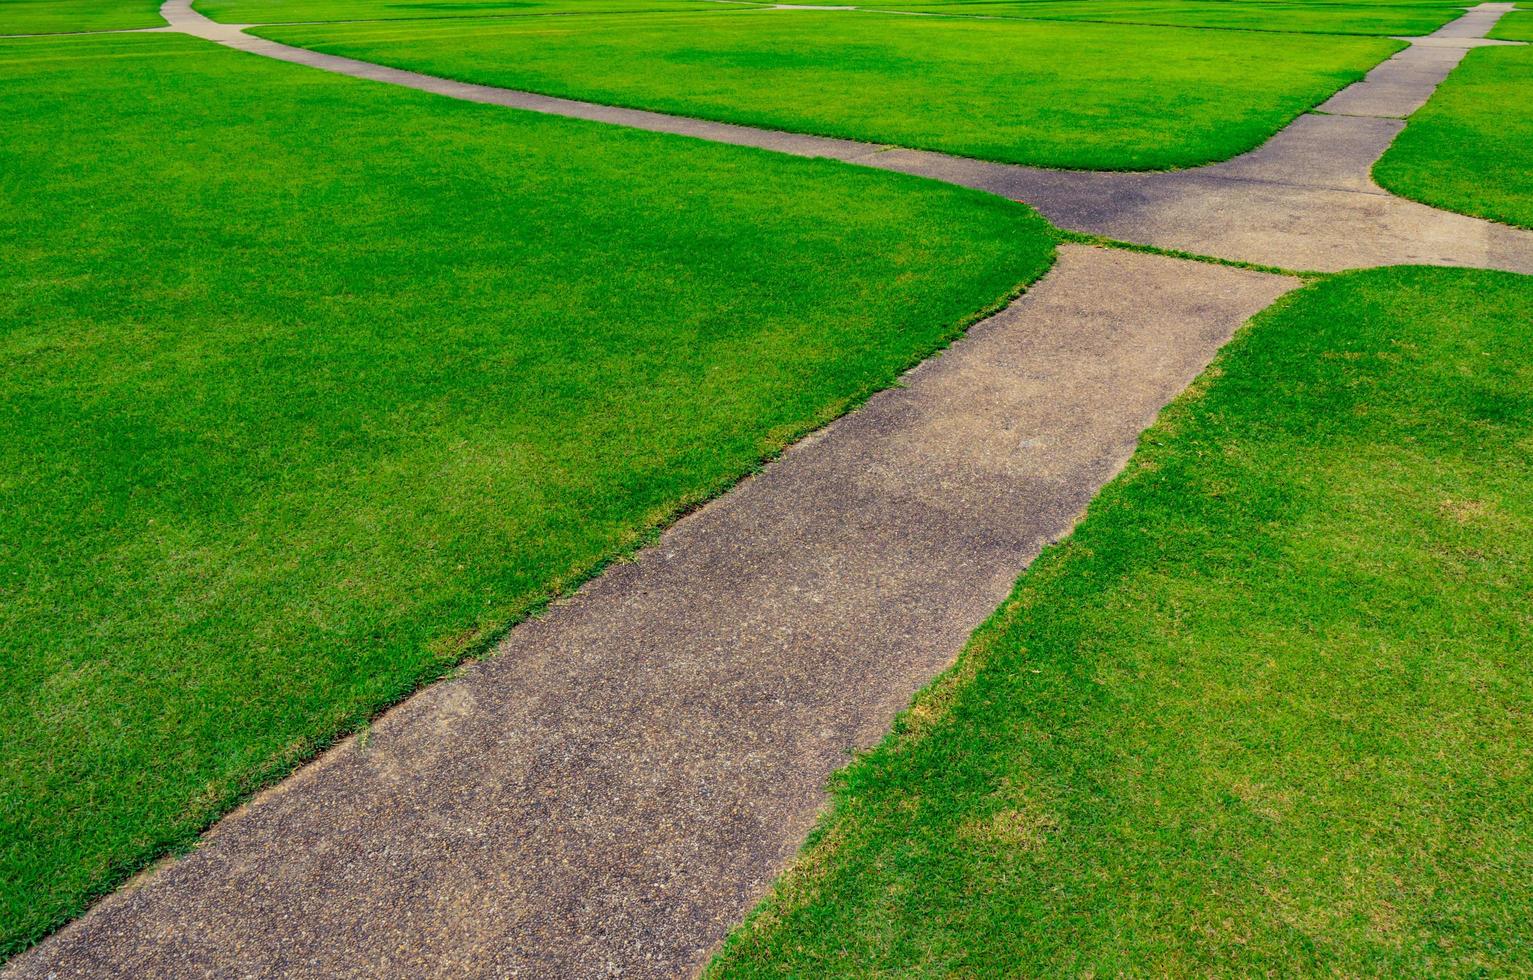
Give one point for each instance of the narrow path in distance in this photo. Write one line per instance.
(614, 790)
(1304, 200)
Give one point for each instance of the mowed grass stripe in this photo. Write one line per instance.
(288, 11)
(1062, 94)
(1279, 6)
(1265, 712)
(1515, 26)
(315, 385)
(1334, 18)
(69, 16)
(1306, 18)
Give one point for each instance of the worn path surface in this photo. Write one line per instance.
(1304, 200)
(615, 789)
(613, 792)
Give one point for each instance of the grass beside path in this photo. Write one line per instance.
(1332, 18)
(1515, 26)
(314, 385)
(1470, 148)
(1279, 6)
(69, 16)
(1060, 94)
(1265, 712)
(1315, 18)
(280, 11)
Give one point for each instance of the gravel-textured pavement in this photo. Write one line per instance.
(614, 789)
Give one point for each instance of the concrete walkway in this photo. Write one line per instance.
(1304, 200)
(614, 790)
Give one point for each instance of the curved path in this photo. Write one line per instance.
(1304, 200)
(613, 792)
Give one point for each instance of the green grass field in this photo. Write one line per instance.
(1308, 18)
(978, 6)
(315, 385)
(68, 16)
(1055, 94)
(1264, 713)
(1515, 26)
(1470, 148)
(1293, 16)
(279, 11)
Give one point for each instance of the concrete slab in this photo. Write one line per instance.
(1316, 151)
(1399, 86)
(1234, 213)
(1476, 23)
(1471, 42)
(615, 789)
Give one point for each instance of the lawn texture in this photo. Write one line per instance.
(1515, 26)
(1263, 15)
(978, 6)
(1265, 712)
(1093, 96)
(315, 385)
(1470, 148)
(70, 16)
(1306, 18)
(280, 11)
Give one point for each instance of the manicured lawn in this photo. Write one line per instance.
(278, 11)
(1055, 94)
(1515, 26)
(66, 16)
(314, 385)
(976, 6)
(1266, 712)
(1312, 18)
(1470, 148)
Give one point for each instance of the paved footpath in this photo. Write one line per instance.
(614, 790)
(1303, 200)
